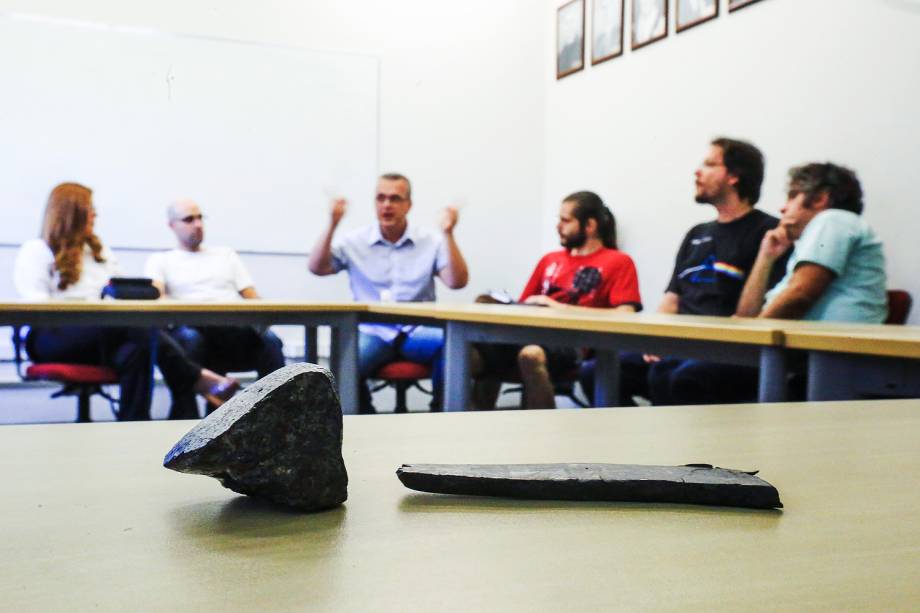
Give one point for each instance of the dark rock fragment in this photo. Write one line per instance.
(280, 439)
(689, 484)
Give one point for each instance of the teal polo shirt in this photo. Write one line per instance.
(843, 243)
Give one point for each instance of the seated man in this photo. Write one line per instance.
(392, 260)
(837, 269)
(588, 272)
(205, 274)
(710, 270)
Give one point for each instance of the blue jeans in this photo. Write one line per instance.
(675, 381)
(423, 344)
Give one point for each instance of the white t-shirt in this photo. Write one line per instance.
(214, 274)
(35, 278)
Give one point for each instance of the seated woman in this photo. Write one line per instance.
(70, 262)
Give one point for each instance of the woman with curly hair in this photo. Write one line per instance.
(69, 262)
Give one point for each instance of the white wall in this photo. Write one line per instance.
(805, 80)
(461, 113)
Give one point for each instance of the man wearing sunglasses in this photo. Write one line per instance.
(393, 260)
(197, 273)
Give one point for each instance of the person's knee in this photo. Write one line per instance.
(531, 358)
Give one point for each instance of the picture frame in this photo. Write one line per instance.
(734, 5)
(691, 13)
(649, 22)
(570, 38)
(607, 30)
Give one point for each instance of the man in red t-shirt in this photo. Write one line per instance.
(588, 272)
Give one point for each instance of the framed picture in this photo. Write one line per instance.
(694, 12)
(734, 5)
(606, 30)
(570, 38)
(649, 21)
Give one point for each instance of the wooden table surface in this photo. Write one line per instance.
(865, 339)
(178, 306)
(91, 520)
(723, 329)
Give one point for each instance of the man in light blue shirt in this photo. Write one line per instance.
(837, 268)
(393, 261)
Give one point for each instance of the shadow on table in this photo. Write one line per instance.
(243, 517)
(421, 503)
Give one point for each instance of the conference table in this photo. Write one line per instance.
(752, 342)
(342, 318)
(845, 360)
(848, 361)
(93, 522)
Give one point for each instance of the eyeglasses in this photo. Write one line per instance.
(394, 198)
(192, 218)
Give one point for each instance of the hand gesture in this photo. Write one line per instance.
(449, 219)
(651, 358)
(337, 210)
(775, 243)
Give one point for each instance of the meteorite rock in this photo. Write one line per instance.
(280, 439)
(690, 484)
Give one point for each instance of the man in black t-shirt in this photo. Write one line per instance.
(710, 270)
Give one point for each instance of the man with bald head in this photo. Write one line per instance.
(197, 273)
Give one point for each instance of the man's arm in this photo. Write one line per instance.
(455, 274)
(774, 245)
(807, 285)
(669, 303)
(153, 269)
(320, 262)
(542, 300)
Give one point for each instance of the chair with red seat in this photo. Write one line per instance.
(80, 380)
(402, 375)
(899, 304)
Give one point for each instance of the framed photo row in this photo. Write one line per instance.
(648, 24)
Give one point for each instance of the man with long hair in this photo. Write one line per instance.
(589, 271)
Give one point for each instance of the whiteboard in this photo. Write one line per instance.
(261, 136)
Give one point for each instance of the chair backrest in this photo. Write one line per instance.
(899, 303)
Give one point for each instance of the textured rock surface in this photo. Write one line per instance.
(280, 439)
(690, 484)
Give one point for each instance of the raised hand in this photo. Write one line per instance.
(337, 210)
(449, 219)
(775, 243)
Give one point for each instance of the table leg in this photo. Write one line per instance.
(344, 360)
(773, 375)
(310, 352)
(831, 377)
(607, 378)
(456, 367)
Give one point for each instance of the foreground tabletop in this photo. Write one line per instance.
(93, 522)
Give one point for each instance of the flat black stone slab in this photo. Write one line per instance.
(693, 484)
(280, 439)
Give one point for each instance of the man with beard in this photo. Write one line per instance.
(588, 272)
(712, 265)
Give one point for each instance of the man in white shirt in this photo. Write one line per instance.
(203, 274)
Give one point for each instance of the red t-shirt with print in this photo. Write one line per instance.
(604, 279)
